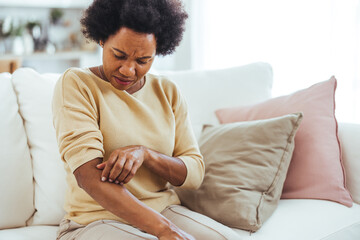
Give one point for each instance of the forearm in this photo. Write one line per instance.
(118, 200)
(171, 169)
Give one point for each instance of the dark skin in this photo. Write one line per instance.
(118, 200)
(127, 57)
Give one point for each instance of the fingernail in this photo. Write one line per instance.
(103, 179)
(117, 182)
(110, 180)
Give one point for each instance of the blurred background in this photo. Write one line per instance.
(305, 41)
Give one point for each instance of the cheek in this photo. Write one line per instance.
(142, 70)
(109, 64)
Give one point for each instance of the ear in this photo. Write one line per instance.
(101, 43)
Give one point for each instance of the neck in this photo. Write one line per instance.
(137, 86)
(101, 73)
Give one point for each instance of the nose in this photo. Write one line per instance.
(127, 69)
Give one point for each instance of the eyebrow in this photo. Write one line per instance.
(118, 50)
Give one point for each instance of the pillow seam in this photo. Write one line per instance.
(277, 175)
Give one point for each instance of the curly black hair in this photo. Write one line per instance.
(163, 18)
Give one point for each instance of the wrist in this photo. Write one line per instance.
(146, 155)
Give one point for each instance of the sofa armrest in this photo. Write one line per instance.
(349, 136)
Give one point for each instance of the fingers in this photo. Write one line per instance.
(132, 172)
(117, 168)
(122, 165)
(108, 166)
(126, 169)
(175, 233)
(101, 165)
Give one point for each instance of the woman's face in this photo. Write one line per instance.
(127, 57)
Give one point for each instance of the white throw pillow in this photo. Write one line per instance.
(207, 91)
(34, 92)
(16, 179)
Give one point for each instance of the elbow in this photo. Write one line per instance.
(199, 181)
(199, 175)
(194, 178)
(193, 184)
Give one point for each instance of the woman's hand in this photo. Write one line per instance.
(122, 164)
(175, 233)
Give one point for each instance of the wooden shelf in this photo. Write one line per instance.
(57, 62)
(46, 3)
(66, 55)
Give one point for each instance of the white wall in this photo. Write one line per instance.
(306, 41)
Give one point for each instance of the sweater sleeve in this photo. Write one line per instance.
(186, 146)
(75, 118)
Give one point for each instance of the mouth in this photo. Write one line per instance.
(122, 81)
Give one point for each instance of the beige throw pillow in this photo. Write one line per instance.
(246, 165)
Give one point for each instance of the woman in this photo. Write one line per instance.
(124, 134)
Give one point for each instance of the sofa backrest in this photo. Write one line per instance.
(207, 91)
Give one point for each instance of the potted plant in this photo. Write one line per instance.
(56, 15)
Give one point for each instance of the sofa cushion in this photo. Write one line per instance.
(245, 169)
(206, 91)
(307, 219)
(16, 179)
(34, 92)
(349, 135)
(316, 169)
(30, 233)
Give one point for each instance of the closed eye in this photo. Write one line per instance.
(141, 62)
(119, 57)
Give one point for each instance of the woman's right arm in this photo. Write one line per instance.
(118, 200)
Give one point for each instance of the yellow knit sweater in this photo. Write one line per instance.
(92, 118)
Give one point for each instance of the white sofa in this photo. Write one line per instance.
(32, 179)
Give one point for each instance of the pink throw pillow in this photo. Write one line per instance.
(316, 170)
